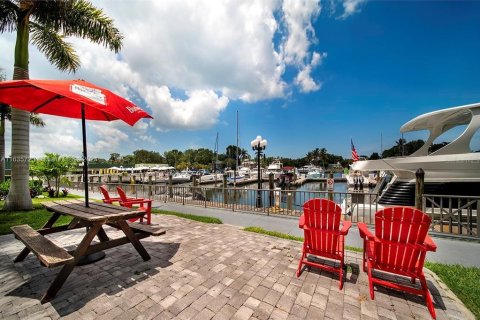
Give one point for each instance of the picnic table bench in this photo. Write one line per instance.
(94, 217)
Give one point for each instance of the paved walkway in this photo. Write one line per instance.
(450, 251)
(204, 271)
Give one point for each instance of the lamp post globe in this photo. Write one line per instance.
(258, 145)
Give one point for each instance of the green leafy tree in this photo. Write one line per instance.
(204, 157)
(436, 146)
(173, 157)
(115, 158)
(374, 156)
(145, 156)
(48, 23)
(53, 167)
(128, 161)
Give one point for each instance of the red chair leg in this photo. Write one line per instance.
(364, 255)
(341, 274)
(428, 297)
(300, 264)
(370, 281)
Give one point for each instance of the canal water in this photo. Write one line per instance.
(295, 197)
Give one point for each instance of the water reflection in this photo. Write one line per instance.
(247, 194)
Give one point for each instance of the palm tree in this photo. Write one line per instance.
(401, 146)
(49, 22)
(5, 114)
(323, 156)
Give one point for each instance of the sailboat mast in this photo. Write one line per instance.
(215, 156)
(236, 159)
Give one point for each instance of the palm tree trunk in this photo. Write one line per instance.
(2, 147)
(19, 195)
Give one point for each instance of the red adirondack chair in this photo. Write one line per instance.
(320, 222)
(398, 247)
(106, 196)
(144, 204)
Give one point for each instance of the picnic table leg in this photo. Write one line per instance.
(24, 253)
(68, 268)
(102, 235)
(134, 240)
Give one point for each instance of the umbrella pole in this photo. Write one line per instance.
(85, 161)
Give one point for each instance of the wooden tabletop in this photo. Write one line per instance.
(96, 212)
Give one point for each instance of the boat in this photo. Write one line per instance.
(309, 168)
(369, 178)
(211, 177)
(275, 168)
(453, 169)
(181, 177)
(289, 175)
(315, 174)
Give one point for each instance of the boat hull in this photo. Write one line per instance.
(463, 167)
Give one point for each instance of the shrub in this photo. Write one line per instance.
(51, 192)
(4, 187)
(36, 187)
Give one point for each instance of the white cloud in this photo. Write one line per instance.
(350, 7)
(304, 79)
(298, 15)
(199, 110)
(186, 60)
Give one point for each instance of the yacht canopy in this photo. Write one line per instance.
(450, 117)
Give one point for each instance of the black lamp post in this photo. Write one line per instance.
(258, 145)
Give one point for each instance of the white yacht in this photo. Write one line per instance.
(181, 177)
(452, 170)
(315, 173)
(276, 168)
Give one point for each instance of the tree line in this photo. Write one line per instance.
(203, 158)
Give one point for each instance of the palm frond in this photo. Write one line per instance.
(59, 52)
(8, 16)
(36, 120)
(81, 19)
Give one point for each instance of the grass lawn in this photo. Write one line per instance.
(203, 219)
(463, 281)
(35, 218)
(288, 236)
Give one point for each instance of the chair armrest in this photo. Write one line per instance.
(137, 201)
(429, 244)
(334, 232)
(301, 222)
(364, 232)
(346, 226)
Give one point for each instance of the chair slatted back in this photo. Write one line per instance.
(106, 195)
(122, 195)
(321, 215)
(398, 228)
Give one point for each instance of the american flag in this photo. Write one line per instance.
(354, 152)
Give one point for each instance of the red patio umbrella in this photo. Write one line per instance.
(72, 99)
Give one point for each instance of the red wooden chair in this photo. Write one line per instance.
(107, 198)
(398, 247)
(145, 205)
(320, 222)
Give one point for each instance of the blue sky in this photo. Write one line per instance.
(303, 74)
(385, 65)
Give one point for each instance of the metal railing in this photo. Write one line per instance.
(355, 205)
(453, 215)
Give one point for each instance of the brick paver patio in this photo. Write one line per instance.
(204, 271)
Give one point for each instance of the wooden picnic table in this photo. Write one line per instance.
(94, 217)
